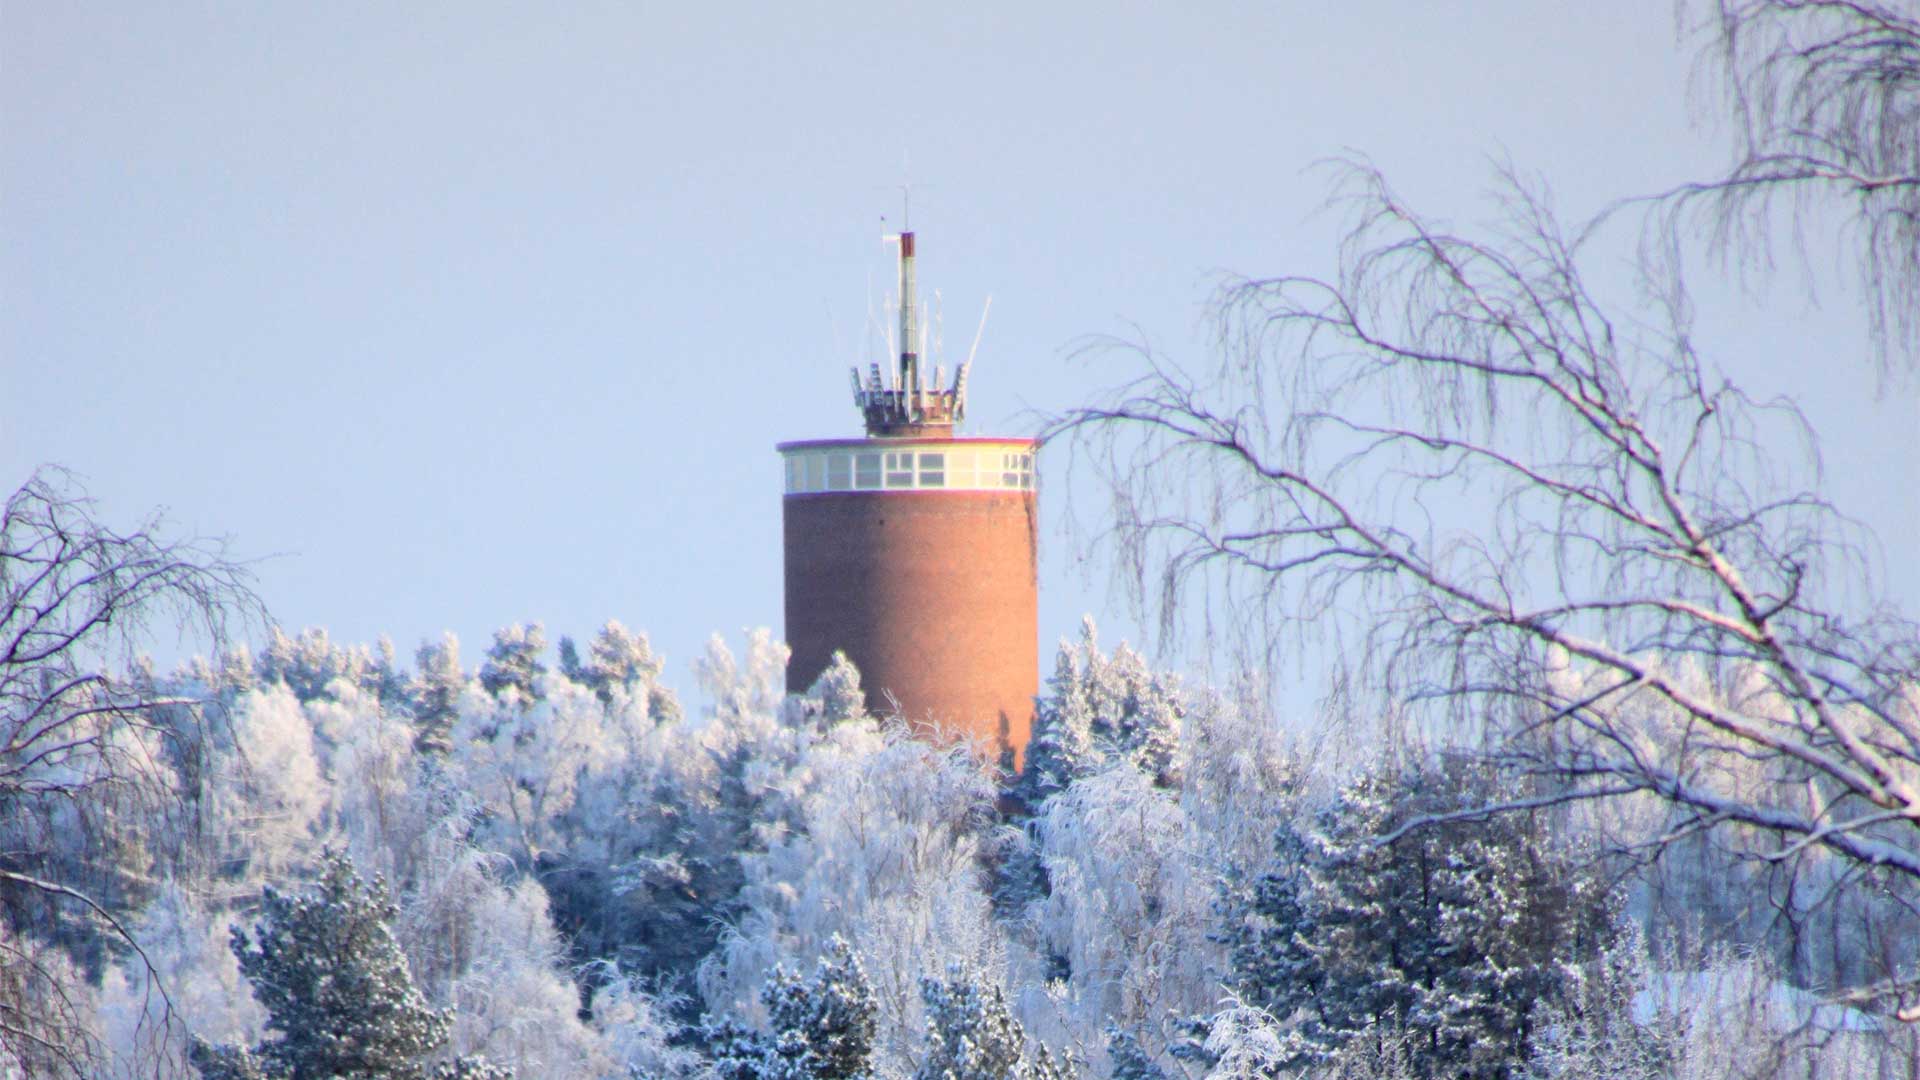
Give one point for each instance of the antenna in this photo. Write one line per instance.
(876, 329)
(976, 334)
(893, 344)
(903, 402)
(937, 331)
(906, 197)
(909, 333)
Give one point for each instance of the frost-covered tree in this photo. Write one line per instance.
(512, 669)
(1450, 931)
(1243, 774)
(1266, 929)
(435, 691)
(1061, 749)
(309, 662)
(745, 689)
(1099, 706)
(632, 813)
(339, 998)
(525, 758)
(268, 794)
(1127, 1061)
(1242, 1042)
(817, 1029)
(1593, 1029)
(87, 778)
(619, 658)
(1127, 917)
(836, 696)
(205, 992)
(381, 800)
(879, 837)
(480, 940)
(972, 1035)
(638, 1030)
(1115, 880)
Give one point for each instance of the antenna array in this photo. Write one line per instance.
(906, 405)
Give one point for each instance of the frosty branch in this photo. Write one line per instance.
(1825, 95)
(76, 738)
(1565, 537)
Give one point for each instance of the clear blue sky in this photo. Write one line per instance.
(476, 313)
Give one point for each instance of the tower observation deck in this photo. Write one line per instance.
(912, 550)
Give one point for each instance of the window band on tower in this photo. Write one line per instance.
(952, 467)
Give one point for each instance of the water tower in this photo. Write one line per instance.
(912, 551)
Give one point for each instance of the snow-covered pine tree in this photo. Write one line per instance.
(570, 664)
(1502, 943)
(1265, 927)
(837, 692)
(306, 663)
(309, 663)
(1126, 1060)
(435, 693)
(1061, 748)
(1137, 711)
(1098, 706)
(618, 657)
(824, 1026)
(1047, 1065)
(972, 1035)
(735, 1050)
(819, 1029)
(339, 997)
(513, 663)
(1593, 1030)
(385, 677)
(1451, 933)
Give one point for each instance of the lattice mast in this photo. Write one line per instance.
(905, 405)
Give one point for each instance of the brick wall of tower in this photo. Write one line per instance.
(932, 595)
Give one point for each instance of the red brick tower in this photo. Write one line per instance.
(912, 551)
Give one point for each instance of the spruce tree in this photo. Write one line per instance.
(1098, 707)
(340, 1000)
(1137, 711)
(1127, 1060)
(971, 1034)
(819, 1029)
(1061, 749)
(1266, 928)
(435, 693)
(837, 692)
(513, 667)
(826, 1025)
(619, 657)
(1451, 933)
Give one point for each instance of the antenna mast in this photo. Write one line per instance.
(909, 336)
(909, 407)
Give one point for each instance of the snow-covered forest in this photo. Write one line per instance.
(1616, 771)
(539, 860)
